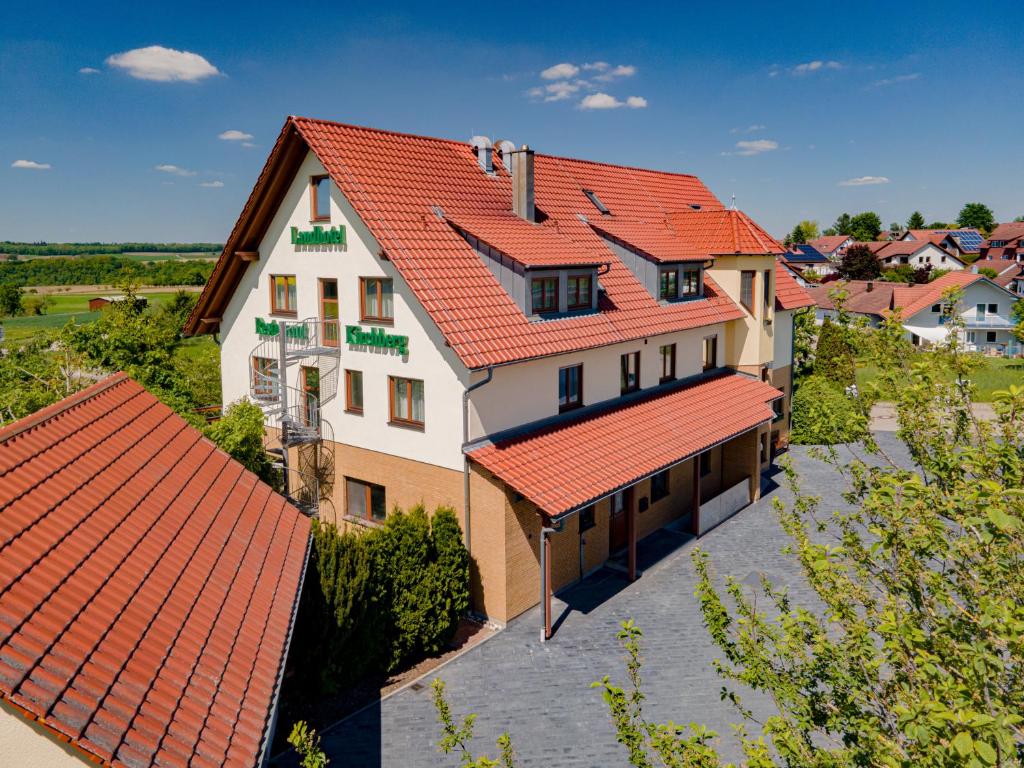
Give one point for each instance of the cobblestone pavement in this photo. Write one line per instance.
(541, 693)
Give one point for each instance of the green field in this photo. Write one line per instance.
(994, 374)
(65, 307)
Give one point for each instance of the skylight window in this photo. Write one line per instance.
(597, 202)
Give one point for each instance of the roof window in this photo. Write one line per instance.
(597, 202)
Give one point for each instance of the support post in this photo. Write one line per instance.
(545, 581)
(282, 398)
(695, 514)
(755, 469)
(631, 535)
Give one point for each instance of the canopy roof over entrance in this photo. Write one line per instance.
(569, 464)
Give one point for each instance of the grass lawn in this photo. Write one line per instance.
(996, 373)
(65, 307)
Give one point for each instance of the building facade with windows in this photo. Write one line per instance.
(570, 354)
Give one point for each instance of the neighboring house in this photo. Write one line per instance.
(915, 253)
(1009, 273)
(985, 307)
(832, 247)
(148, 589)
(963, 243)
(790, 297)
(1005, 242)
(802, 257)
(570, 354)
(102, 302)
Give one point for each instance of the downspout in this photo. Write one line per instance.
(465, 458)
(545, 587)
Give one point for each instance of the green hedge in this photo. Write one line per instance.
(824, 415)
(378, 599)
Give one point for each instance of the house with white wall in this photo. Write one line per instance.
(915, 253)
(570, 354)
(985, 308)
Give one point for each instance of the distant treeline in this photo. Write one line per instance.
(103, 270)
(78, 249)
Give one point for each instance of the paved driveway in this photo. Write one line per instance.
(541, 693)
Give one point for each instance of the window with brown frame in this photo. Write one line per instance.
(668, 362)
(264, 384)
(668, 284)
(659, 486)
(365, 501)
(543, 295)
(629, 372)
(570, 387)
(691, 283)
(353, 391)
(376, 299)
(283, 295)
(767, 279)
(406, 397)
(747, 289)
(710, 357)
(579, 292)
(320, 198)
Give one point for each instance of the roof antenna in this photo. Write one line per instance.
(732, 205)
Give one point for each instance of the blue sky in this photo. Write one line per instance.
(802, 110)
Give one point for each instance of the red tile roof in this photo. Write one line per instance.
(657, 239)
(920, 296)
(829, 243)
(788, 293)
(1010, 231)
(533, 245)
(147, 583)
(574, 462)
(396, 181)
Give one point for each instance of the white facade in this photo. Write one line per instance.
(930, 255)
(28, 744)
(429, 360)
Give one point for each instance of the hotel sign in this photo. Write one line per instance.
(263, 328)
(376, 337)
(319, 236)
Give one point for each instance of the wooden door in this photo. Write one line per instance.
(618, 529)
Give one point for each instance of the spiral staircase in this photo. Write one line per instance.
(296, 430)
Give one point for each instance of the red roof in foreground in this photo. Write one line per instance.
(147, 583)
(572, 463)
(396, 184)
(788, 293)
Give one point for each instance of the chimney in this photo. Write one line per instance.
(522, 184)
(482, 147)
(871, 286)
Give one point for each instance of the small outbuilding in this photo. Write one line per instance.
(102, 302)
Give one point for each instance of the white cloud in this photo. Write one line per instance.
(31, 165)
(560, 90)
(88, 71)
(623, 70)
(754, 147)
(234, 135)
(600, 101)
(212, 184)
(864, 181)
(561, 71)
(749, 129)
(174, 170)
(897, 79)
(815, 66)
(164, 65)
(248, 144)
(606, 101)
(596, 66)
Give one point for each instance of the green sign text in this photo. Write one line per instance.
(319, 236)
(263, 328)
(376, 337)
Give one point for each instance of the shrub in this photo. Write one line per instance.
(382, 597)
(824, 415)
(833, 357)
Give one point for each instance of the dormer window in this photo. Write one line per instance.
(597, 202)
(668, 284)
(543, 295)
(679, 282)
(580, 292)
